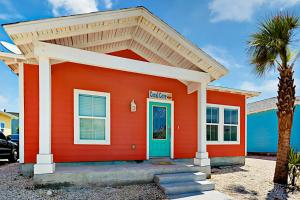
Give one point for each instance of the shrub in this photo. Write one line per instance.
(294, 166)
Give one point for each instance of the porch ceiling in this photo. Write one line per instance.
(136, 29)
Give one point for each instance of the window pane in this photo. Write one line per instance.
(233, 133)
(226, 133)
(230, 133)
(212, 132)
(159, 122)
(92, 129)
(99, 106)
(99, 129)
(85, 105)
(208, 115)
(212, 115)
(92, 106)
(230, 116)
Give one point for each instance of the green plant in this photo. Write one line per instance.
(269, 49)
(294, 166)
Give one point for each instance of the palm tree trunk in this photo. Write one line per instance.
(286, 99)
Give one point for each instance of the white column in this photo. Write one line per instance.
(21, 112)
(201, 154)
(44, 158)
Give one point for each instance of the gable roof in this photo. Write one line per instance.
(266, 104)
(136, 29)
(12, 116)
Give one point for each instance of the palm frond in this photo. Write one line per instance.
(271, 42)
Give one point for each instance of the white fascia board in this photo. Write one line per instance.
(39, 25)
(113, 62)
(246, 93)
(173, 33)
(9, 56)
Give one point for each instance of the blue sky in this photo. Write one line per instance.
(219, 27)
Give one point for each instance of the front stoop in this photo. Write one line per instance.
(189, 185)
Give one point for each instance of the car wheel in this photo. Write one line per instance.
(13, 156)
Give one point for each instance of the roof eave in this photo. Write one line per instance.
(248, 94)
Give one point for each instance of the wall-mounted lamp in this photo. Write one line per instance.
(132, 106)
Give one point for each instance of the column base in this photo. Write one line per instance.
(202, 159)
(44, 164)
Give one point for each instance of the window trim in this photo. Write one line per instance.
(77, 139)
(214, 124)
(222, 124)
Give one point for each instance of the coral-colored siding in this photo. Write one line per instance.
(31, 112)
(230, 99)
(126, 128)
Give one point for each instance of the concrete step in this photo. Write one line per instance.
(206, 195)
(179, 177)
(186, 187)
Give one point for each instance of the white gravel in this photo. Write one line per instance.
(252, 181)
(14, 186)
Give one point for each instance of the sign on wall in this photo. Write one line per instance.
(160, 95)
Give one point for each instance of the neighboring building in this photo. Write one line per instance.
(15, 123)
(121, 85)
(7, 122)
(262, 125)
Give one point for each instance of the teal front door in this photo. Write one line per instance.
(159, 132)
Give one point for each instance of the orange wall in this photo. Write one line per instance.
(126, 128)
(230, 99)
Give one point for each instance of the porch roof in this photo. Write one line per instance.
(136, 29)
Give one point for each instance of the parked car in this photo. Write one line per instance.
(14, 138)
(8, 149)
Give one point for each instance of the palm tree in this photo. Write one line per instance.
(269, 49)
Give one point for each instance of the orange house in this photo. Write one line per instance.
(121, 85)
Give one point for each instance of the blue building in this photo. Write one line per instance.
(262, 127)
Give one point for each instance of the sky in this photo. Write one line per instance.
(219, 27)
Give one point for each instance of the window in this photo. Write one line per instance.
(222, 124)
(91, 117)
(230, 124)
(212, 120)
(159, 123)
(2, 127)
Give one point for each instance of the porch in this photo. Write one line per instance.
(117, 173)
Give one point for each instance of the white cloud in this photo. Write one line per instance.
(268, 88)
(108, 4)
(67, 7)
(239, 10)
(222, 56)
(3, 99)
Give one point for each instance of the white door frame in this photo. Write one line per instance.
(172, 124)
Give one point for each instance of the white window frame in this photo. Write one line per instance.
(77, 139)
(222, 124)
(215, 124)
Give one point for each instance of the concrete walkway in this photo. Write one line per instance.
(207, 195)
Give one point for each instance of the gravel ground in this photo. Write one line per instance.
(14, 186)
(252, 181)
